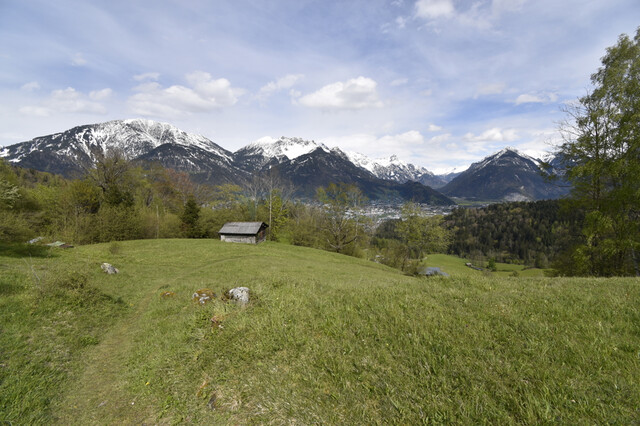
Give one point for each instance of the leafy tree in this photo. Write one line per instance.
(601, 154)
(341, 223)
(421, 234)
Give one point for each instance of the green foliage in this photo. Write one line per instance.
(601, 152)
(491, 265)
(341, 223)
(532, 233)
(305, 224)
(422, 234)
(190, 219)
(118, 223)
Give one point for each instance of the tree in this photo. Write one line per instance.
(421, 234)
(112, 176)
(341, 223)
(601, 155)
(189, 217)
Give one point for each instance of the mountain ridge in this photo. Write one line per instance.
(73, 152)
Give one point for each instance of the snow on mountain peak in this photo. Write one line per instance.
(291, 148)
(495, 158)
(391, 168)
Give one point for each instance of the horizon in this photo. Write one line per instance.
(439, 83)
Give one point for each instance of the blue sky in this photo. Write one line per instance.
(440, 83)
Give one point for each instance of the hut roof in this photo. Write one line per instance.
(242, 228)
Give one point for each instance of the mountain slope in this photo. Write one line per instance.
(507, 176)
(74, 151)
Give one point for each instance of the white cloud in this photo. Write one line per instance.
(490, 89)
(482, 15)
(401, 22)
(204, 94)
(502, 6)
(402, 144)
(434, 128)
(399, 82)
(440, 138)
(35, 111)
(356, 93)
(283, 83)
(78, 60)
(433, 9)
(100, 95)
(66, 101)
(148, 76)
(30, 86)
(528, 98)
(494, 134)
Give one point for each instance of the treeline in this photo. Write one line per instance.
(118, 200)
(535, 234)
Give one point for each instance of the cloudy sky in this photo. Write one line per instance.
(440, 83)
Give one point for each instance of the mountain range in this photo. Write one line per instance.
(507, 175)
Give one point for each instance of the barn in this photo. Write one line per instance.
(243, 232)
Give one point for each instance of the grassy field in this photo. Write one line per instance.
(326, 339)
(455, 267)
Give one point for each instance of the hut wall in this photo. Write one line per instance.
(247, 239)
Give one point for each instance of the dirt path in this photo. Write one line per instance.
(98, 394)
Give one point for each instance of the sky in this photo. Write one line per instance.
(439, 83)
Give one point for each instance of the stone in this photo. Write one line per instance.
(239, 294)
(109, 269)
(203, 296)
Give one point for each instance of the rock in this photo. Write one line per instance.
(239, 294)
(203, 296)
(167, 294)
(432, 272)
(109, 269)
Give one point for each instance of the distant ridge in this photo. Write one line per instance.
(507, 175)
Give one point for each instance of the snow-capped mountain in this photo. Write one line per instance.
(507, 175)
(394, 169)
(76, 150)
(306, 164)
(257, 154)
(309, 165)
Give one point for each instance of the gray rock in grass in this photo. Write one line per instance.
(109, 269)
(239, 294)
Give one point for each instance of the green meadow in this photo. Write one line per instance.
(326, 339)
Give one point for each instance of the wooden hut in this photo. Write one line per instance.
(243, 232)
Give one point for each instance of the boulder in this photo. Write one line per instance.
(239, 294)
(109, 269)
